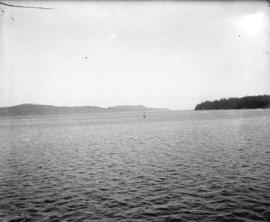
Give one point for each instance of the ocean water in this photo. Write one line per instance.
(170, 166)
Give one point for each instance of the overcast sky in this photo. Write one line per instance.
(159, 54)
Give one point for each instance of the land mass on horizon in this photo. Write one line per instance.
(36, 109)
(247, 102)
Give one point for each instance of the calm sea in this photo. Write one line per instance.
(169, 166)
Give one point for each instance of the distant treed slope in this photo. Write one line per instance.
(33, 109)
(247, 102)
(127, 108)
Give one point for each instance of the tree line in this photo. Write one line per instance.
(247, 102)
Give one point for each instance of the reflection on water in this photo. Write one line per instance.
(170, 166)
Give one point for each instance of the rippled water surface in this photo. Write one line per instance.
(170, 166)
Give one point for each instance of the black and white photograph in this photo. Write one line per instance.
(134, 111)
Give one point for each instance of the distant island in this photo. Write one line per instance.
(34, 109)
(247, 102)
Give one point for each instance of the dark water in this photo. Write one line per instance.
(171, 166)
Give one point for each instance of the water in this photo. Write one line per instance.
(170, 166)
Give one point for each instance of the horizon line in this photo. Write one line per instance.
(72, 106)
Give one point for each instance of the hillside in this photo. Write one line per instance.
(34, 109)
(128, 108)
(247, 102)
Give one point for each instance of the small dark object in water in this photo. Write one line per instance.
(144, 115)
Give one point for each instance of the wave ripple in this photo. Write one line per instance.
(168, 168)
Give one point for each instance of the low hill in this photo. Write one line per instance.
(132, 108)
(34, 109)
(247, 102)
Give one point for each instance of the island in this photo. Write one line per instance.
(247, 102)
(35, 109)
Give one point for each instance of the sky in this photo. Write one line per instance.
(157, 53)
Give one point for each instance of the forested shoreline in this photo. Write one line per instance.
(247, 102)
